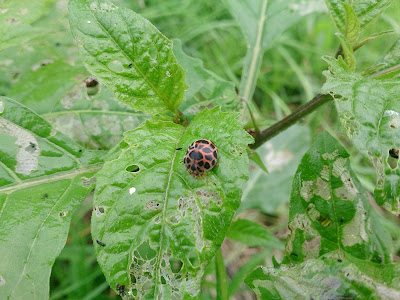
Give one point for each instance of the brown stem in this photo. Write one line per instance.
(288, 121)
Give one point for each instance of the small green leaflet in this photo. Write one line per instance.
(160, 225)
(44, 177)
(129, 55)
(329, 210)
(369, 112)
(252, 234)
(328, 277)
(348, 15)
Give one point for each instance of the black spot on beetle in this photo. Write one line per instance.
(199, 169)
(208, 157)
(203, 142)
(212, 146)
(200, 147)
(195, 155)
(201, 163)
(193, 167)
(207, 165)
(100, 243)
(213, 162)
(215, 153)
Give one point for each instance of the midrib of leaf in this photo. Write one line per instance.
(127, 56)
(4, 205)
(13, 175)
(36, 236)
(86, 111)
(255, 56)
(334, 208)
(171, 172)
(49, 178)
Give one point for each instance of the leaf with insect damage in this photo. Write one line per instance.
(160, 225)
(44, 177)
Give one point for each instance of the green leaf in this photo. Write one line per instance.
(252, 234)
(328, 277)
(206, 89)
(76, 104)
(349, 57)
(41, 89)
(160, 225)
(281, 155)
(129, 55)
(16, 18)
(344, 13)
(352, 30)
(44, 177)
(369, 113)
(329, 210)
(256, 158)
(389, 66)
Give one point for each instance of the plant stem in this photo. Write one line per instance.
(222, 281)
(253, 59)
(283, 124)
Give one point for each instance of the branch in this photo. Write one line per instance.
(291, 119)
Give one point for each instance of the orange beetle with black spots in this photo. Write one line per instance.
(201, 156)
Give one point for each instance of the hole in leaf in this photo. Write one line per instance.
(153, 52)
(194, 258)
(324, 221)
(2, 281)
(393, 158)
(92, 86)
(99, 210)
(63, 213)
(145, 251)
(152, 205)
(133, 168)
(115, 66)
(120, 289)
(176, 265)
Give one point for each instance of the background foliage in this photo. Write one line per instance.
(73, 117)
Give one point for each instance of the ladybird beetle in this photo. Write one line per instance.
(201, 156)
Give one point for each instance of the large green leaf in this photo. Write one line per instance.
(346, 13)
(160, 225)
(129, 55)
(16, 18)
(44, 176)
(329, 210)
(76, 104)
(369, 113)
(328, 277)
(206, 89)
